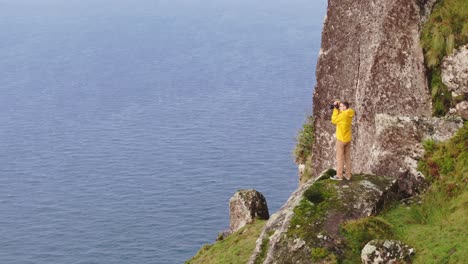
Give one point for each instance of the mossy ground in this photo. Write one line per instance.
(312, 210)
(237, 248)
(325, 199)
(436, 227)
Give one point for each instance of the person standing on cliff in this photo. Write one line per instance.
(342, 117)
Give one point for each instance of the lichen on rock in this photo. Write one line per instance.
(386, 251)
(454, 71)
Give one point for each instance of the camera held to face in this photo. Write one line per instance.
(335, 105)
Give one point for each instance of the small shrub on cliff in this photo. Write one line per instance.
(305, 140)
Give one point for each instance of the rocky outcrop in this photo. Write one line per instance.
(461, 109)
(454, 71)
(398, 145)
(386, 251)
(311, 217)
(370, 56)
(244, 207)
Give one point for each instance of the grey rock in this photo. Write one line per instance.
(454, 71)
(461, 109)
(372, 57)
(386, 251)
(245, 206)
(398, 146)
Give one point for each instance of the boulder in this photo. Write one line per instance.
(386, 251)
(245, 206)
(454, 71)
(311, 217)
(461, 109)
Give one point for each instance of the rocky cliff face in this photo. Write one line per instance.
(370, 56)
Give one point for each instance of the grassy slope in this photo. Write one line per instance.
(236, 248)
(436, 226)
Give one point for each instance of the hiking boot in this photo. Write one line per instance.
(336, 178)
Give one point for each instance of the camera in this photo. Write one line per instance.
(337, 106)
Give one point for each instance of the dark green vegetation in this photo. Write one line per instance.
(303, 150)
(445, 30)
(236, 248)
(322, 255)
(358, 232)
(310, 215)
(312, 209)
(436, 226)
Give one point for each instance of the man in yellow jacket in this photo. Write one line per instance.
(343, 118)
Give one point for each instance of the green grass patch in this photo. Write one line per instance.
(359, 232)
(436, 227)
(237, 248)
(438, 234)
(445, 30)
(322, 255)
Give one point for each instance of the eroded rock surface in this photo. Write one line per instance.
(398, 145)
(245, 206)
(312, 215)
(370, 56)
(461, 109)
(386, 251)
(454, 71)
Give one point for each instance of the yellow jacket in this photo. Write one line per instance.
(343, 120)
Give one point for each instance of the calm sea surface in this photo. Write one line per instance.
(126, 126)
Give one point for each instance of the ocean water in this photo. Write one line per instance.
(126, 126)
